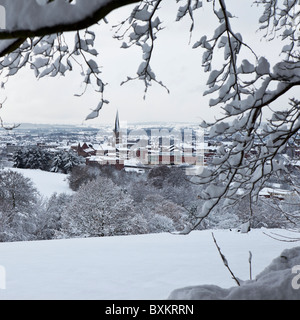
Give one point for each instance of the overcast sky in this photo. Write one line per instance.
(52, 100)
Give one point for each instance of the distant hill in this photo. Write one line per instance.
(42, 126)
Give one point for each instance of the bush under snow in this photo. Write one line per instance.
(279, 281)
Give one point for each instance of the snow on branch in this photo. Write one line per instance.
(33, 35)
(244, 88)
(141, 30)
(33, 18)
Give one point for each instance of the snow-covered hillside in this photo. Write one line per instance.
(147, 267)
(46, 183)
(131, 267)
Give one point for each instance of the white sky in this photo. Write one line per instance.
(51, 100)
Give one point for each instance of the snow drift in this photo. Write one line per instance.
(279, 281)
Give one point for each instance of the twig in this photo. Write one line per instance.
(8, 128)
(250, 264)
(225, 261)
(282, 237)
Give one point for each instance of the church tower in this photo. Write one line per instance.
(117, 132)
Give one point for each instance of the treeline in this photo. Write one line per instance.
(108, 202)
(39, 158)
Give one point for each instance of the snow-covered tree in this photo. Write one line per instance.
(16, 191)
(38, 158)
(161, 214)
(64, 161)
(32, 158)
(82, 174)
(18, 199)
(18, 159)
(48, 216)
(244, 84)
(101, 208)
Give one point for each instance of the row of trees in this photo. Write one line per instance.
(108, 202)
(99, 207)
(163, 187)
(38, 158)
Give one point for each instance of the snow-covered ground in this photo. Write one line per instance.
(131, 267)
(46, 183)
(143, 267)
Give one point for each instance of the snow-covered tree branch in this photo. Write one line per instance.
(242, 83)
(244, 90)
(34, 36)
(38, 18)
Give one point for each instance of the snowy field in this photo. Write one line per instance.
(131, 267)
(143, 267)
(46, 183)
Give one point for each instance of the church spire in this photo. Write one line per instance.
(117, 137)
(117, 124)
